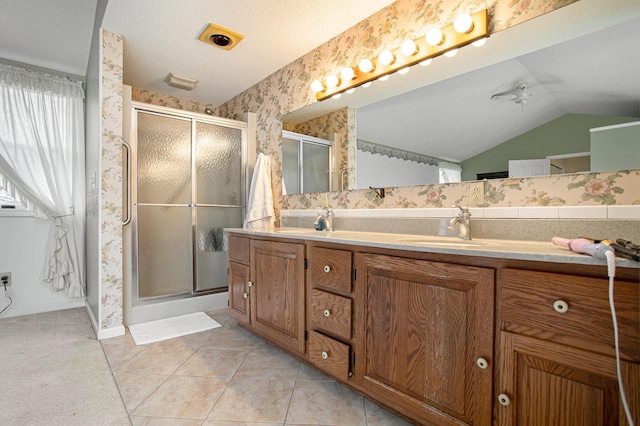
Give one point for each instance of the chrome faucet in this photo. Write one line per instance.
(463, 219)
(324, 221)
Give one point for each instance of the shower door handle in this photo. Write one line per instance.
(127, 186)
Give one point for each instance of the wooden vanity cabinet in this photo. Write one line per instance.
(277, 294)
(266, 289)
(330, 313)
(424, 334)
(424, 337)
(239, 281)
(556, 353)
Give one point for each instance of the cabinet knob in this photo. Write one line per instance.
(504, 399)
(327, 313)
(561, 306)
(482, 363)
(250, 284)
(327, 268)
(245, 295)
(325, 355)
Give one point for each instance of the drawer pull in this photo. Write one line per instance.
(482, 363)
(561, 306)
(245, 295)
(327, 313)
(250, 284)
(327, 268)
(325, 354)
(504, 399)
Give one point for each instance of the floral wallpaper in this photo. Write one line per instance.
(169, 101)
(111, 285)
(582, 189)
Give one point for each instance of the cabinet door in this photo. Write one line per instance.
(546, 383)
(277, 295)
(424, 337)
(239, 292)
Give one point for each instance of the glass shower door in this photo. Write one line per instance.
(163, 205)
(219, 200)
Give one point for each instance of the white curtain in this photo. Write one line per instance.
(449, 172)
(42, 164)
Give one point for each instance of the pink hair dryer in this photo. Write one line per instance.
(582, 245)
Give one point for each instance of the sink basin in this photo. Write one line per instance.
(444, 242)
(300, 231)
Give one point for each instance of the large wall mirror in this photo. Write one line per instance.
(495, 105)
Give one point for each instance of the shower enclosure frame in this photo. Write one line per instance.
(137, 309)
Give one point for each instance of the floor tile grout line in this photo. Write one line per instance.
(295, 383)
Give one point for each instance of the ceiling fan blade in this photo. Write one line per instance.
(509, 97)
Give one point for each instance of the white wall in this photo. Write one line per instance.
(380, 171)
(23, 243)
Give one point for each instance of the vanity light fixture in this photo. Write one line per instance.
(366, 65)
(418, 51)
(332, 81)
(403, 71)
(434, 37)
(463, 23)
(386, 57)
(409, 48)
(451, 53)
(347, 74)
(317, 86)
(424, 63)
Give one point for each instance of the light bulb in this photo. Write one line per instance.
(480, 42)
(403, 71)
(367, 84)
(337, 96)
(408, 48)
(384, 78)
(333, 81)
(350, 90)
(426, 62)
(386, 57)
(366, 65)
(451, 53)
(434, 37)
(463, 24)
(347, 74)
(317, 86)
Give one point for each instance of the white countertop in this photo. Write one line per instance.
(505, 249)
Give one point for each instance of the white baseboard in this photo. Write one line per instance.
(48, 307)
(107, 332)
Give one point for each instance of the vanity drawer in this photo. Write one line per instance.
(331, 313)
(331, 269)
(329, 355)
(239, 249)
(571, 309)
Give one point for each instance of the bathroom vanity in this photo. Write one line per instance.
(445, 331)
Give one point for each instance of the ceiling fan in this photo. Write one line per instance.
(520, 95)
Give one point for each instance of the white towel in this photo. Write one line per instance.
(260, 203)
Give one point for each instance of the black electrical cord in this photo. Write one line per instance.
(6, 293)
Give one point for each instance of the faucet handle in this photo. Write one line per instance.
(462, 209)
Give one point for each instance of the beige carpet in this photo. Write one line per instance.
(53, 371)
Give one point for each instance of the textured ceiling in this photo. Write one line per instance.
(161, 36)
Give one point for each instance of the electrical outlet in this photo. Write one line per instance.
(476, 193)
(5, 279)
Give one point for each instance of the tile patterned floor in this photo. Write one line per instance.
(229, 377)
